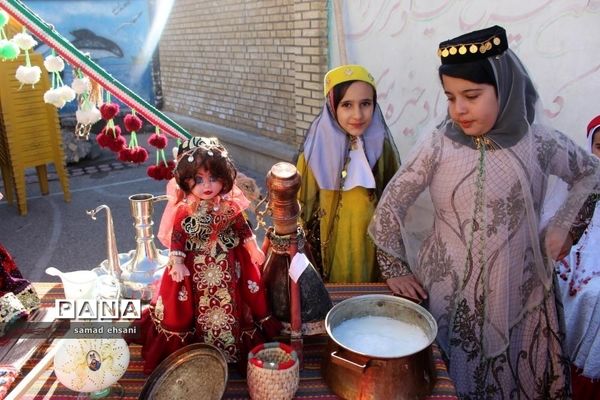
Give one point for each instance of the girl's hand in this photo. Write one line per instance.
(178, 271)
(408, 286)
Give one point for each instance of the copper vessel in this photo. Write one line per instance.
(353, 375)
(300, 305)
(283, 183)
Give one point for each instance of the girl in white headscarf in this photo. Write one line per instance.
(346, 161)
(482, 258)
(579, 281)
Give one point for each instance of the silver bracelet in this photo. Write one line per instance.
(176, 253)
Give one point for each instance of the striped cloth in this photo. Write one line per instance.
(312, 386)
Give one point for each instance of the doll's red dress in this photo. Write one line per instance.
(215, 304)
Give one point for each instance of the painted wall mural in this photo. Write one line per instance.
(558, 40)
(113, 35)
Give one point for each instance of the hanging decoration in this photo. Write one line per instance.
(59, 94)
(82, 86)
(87, 86)
(26, 74)
(110, 136)
(163, 169)
(8, 49)
(133, 152)
(77, 59)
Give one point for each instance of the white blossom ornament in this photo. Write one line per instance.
(60, 93)
(24, 40)
(53, 96)
(88, 115)
(66, 93)
(81, 85)
(54, 63)
(28, 75)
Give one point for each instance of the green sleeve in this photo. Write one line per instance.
(309, 190)
(386, 166)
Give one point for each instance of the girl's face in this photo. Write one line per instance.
(206, 186)
(355, 110)
(473, 106)
(595, 143)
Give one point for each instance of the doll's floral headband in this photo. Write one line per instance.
(209, 144)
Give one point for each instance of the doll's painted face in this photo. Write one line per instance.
(355, 110)
(472, 106)
(206, 186)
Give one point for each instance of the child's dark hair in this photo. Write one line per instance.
(213, 159)
(340, 89)
(479, 71)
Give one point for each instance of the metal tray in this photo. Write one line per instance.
(197, 371)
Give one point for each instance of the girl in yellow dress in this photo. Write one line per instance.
(346, 161)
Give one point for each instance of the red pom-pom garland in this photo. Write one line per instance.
(132, 122)
(157, 140)
(109, 110)
(163, 168)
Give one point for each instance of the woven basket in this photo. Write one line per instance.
(273, 372)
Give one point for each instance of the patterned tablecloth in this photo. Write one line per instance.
(312, 386)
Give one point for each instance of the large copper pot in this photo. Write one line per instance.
(354, 375)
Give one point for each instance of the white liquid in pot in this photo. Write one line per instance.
(380, 336)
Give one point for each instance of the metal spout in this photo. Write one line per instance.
(113, 255)
(146, 259)
(144, 268)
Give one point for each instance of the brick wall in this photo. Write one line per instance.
(253, 66)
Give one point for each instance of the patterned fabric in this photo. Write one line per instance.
(175, 196)
(211, 305)
(327, 146)
(339, 219)
(17, 297)
(579, 282)
(312, 385)
(480, 259)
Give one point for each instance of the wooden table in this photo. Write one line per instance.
(312, 386)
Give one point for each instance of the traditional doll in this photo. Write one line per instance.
(211, 291)
(175, 195)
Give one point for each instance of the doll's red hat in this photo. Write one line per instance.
(594, 123)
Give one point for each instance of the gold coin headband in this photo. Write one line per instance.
(473, 46)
